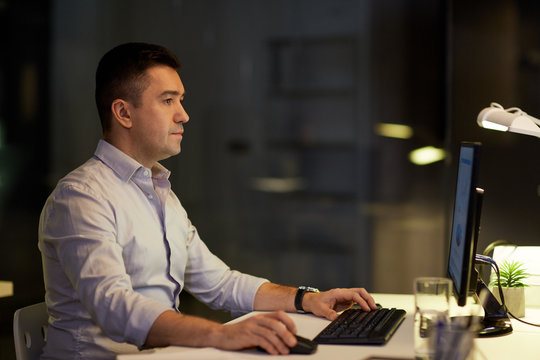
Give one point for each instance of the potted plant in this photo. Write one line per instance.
(512, 274)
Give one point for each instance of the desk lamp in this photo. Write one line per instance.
(513, 119)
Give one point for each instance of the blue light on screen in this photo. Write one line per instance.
(461, 207)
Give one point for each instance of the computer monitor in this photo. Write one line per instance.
(464, 238)
(466, 209)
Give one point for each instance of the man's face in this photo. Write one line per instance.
(157, 122)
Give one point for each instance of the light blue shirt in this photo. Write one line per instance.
(117, 249)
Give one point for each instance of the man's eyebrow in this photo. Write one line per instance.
(171, 93)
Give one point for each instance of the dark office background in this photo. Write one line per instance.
(282, 170)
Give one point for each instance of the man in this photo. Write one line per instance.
(118, 248)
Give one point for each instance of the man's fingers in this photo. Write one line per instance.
(359, 296)
(340, 299)
(286, 320)
(281, 325)
(367, 298)
(278, 329)
(362, 303)
(270, 341)
(267, 346)
(366, 305)
(330, 314)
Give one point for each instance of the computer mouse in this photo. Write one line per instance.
(303, 346)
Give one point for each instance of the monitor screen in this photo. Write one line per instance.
(464, 224)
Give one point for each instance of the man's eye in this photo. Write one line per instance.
(168, 101)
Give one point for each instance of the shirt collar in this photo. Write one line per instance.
(124, 165)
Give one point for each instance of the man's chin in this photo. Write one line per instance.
(176, 151)
(171, 154)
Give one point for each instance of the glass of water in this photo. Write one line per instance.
(432, 304)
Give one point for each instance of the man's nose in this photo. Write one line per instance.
(182, 115)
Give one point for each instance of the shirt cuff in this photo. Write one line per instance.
(141, 324)
(250, 285)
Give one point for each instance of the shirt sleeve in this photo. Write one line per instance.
(78, 232)
(210, 280)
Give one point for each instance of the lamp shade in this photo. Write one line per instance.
(514, 120)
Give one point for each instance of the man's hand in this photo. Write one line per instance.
(327, 304)
(274, 332)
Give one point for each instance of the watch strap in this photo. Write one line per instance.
(302, 290)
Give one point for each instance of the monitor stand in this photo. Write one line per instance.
(495, 321)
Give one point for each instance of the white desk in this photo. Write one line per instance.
(521, 344)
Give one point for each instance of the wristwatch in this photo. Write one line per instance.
(302, 290)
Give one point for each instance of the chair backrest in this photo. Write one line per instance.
(30, 331)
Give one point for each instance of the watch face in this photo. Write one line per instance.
(300, 295)
(311, 289)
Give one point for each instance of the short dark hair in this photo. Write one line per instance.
(121, 74)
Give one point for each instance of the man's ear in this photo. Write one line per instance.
(120, 111)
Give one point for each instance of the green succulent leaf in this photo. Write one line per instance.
(512, 274)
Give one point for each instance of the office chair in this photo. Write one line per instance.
(30, 331)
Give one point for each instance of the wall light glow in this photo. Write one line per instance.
(394, 130)
(426, 155)
(277, 185)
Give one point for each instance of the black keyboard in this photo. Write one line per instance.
(355, 326)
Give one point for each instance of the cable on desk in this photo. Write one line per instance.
(483, 259)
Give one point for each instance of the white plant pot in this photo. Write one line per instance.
(514, 298)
